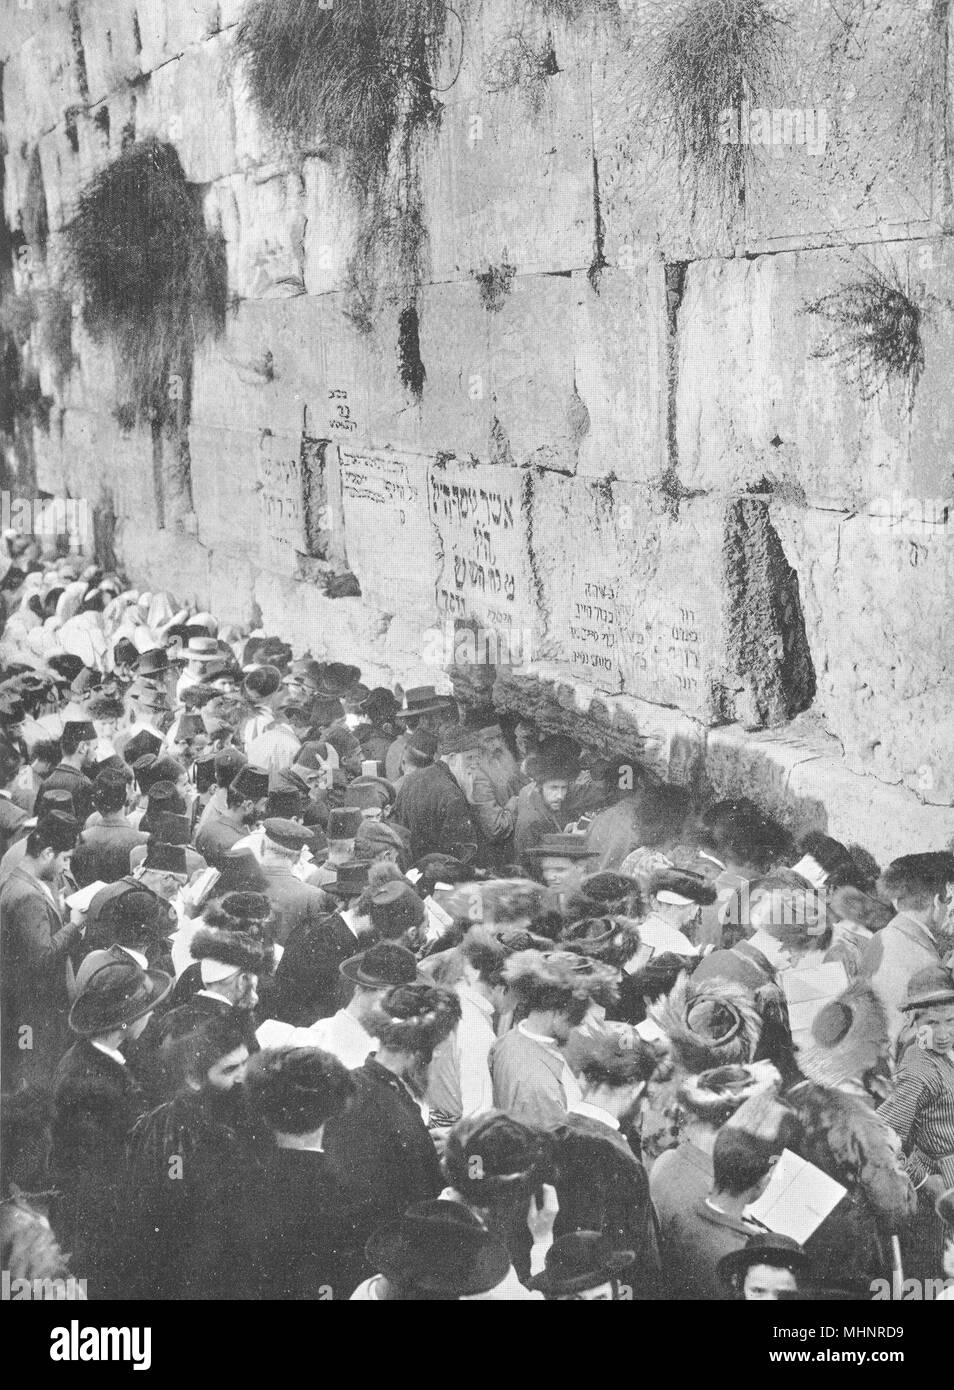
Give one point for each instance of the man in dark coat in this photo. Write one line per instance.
(601, 1184)
(379, 1149)
(97, 1100)
(430, 802)
(307, 983)
(294, 1236)
(35, 969)
(78, 743)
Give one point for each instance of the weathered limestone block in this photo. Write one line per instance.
(388, 538)
(620, 372)
(110, 45)
(483, 521)
(238, 383)
(700, 613)
(43, 77)
(541, 418)
(224, 489)
(311, 622)
(888, 821)
(867, 82)
(168, 30)
(172, 561)
(485, 170)
(95, 452)
(457, 406)
(188, 102)
(755, 409)
(877, 605)
(263, 221)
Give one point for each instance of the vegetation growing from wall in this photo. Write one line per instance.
(151, 276)
(360, 77)
(875, 334)
(494, 285)
(709, 58)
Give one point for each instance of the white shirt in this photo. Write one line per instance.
(594, 1112)
(658, 934)
(341, 1035)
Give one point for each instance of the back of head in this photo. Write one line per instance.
(109, 793)
(295, 1090)
(492, 1158)
(415, 1018)
(739, 1161)
(915, 880)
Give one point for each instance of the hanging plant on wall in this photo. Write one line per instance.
(876, 332)
(151, 275)
(713, 60)
(360, 77)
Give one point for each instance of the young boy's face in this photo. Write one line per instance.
(936, 1027)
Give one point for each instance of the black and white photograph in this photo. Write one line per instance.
(477, 668)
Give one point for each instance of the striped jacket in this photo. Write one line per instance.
(920, 1110)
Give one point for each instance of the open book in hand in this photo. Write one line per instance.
(808, 991)
(195, 894)
(797, 1200)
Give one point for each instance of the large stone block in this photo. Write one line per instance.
(485, 172)
(848, 134)
(224, 490)
(188, 102)
(168, 30)
(388, 538)
(110, 41)
(877, 606)
(756, 410)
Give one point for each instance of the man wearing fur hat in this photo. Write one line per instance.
(531, 1076)
(380, 1149)
(540, 804)
(230, 964)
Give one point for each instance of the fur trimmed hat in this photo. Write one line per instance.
(563, 972)
(231, 951)
(713, 1024)
(714, 1096)
(849, 1037)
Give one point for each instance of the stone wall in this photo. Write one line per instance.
(674, 527)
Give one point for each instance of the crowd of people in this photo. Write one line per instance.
(316, 990)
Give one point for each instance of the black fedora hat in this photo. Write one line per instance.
(764, 1248)
(113, 990)
(581, 1260)
(381, 966)
(440, 1247)
(141, 743)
